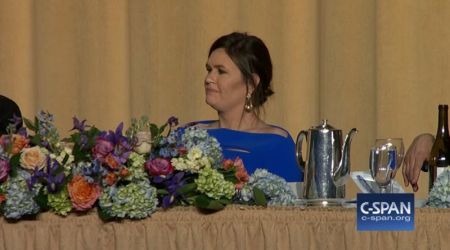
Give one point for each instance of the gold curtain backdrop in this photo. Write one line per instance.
(380, 66)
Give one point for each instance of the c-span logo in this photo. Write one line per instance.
(385, 212)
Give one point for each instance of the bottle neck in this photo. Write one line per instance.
(442, 130)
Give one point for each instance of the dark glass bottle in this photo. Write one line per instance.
(440, 152)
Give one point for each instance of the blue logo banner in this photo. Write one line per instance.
(385, 212)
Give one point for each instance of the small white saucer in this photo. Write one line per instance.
(319, 202)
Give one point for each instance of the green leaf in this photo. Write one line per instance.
(225, 201)
(230, 176)
(162, 192)
(93, 132)
(75, 138)
(29, 124)
(36, 139)
(203, 201)
(162, 128)
(260, 197)
(67, 180)
(154, 130)
(42, 200)
(187, 188)
(78, 154)
(66, 158)
(104, 215)
(14, 163)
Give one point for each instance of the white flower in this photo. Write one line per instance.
(144, 142)
(194, 153)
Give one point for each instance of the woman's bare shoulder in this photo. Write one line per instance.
(270, 129)
(202, 125)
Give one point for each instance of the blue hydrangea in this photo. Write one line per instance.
(20, 200)
(168, 152)
(197, 137)
(273, 186)
(135, 200)
(169, 144)
(440, 193)
(92, 171)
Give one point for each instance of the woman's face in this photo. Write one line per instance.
(224, 85)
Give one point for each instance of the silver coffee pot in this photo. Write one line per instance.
(327, 166)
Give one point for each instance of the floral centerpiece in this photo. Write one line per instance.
(35, 168)
(440, 193)
(124, 175)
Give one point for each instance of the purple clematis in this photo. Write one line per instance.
(172, 183)
(53, 177)
(112, 145)
(78, 125)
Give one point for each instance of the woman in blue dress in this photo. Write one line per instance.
(237, 84)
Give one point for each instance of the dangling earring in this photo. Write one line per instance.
(248, 103)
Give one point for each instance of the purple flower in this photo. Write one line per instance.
(172, 121)
(16, 121)
(102, 148)
(172, 184)
(4, 170)
(53, 177)
(112, 148)
(80, 126)
(158, 166)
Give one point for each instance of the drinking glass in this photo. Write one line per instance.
(397, 144)
(385, 158)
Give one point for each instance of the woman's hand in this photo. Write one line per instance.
(418, 152)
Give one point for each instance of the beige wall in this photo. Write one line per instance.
(380, 66)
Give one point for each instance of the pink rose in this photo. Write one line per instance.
(102, 148)
(4, 170)
(158, 166)
(34, 157)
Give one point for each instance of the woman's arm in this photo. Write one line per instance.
(418, 152)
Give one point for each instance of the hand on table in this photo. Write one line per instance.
(418, 152)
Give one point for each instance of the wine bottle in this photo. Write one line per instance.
(440, 152)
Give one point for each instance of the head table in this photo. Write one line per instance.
(235, 227)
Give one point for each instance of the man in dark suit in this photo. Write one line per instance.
(8, 110)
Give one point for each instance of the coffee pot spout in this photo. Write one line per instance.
(342, 172)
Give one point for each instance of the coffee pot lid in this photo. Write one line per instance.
(325, 125)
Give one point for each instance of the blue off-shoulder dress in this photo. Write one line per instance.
(273, 152)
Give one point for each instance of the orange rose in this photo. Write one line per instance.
(124, 172)
(241, 174)
(18, 143)
(242, 177)
(227, 164)
(34, 157)
(111, 161)
(2, 198)
(110, 179)
(82, 193)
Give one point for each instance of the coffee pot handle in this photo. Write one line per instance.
(298, 148)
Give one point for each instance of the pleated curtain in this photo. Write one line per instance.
(380, 66)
